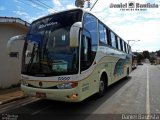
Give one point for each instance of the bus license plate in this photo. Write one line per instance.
(40, 95)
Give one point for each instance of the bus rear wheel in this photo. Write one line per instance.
(102, 86)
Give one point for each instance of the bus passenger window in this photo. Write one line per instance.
(119, 43)
(123, 49)
(85, 48)
(102, 35)
(116, 41)
(113, 40)
(126, 48)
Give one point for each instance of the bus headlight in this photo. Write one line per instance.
(67, 85)
(24, 82)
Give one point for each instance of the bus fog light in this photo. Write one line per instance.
(74, 96)
(67, 85)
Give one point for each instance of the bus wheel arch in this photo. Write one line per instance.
(103, 83)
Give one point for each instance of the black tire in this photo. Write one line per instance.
(102, 86)
(127, 71)
(127, 76)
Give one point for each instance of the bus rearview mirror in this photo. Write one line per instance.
(11, 40)
(74, 34)
(28, 53)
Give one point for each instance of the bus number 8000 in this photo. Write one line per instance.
(63, 78)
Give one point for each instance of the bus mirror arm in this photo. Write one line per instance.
(74, 34)
(9, 43)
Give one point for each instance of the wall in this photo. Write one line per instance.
(10, 68)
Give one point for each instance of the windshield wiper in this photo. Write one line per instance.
(48, 59)
(32, 57)
(45, 53)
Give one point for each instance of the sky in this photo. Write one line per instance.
(141, 27)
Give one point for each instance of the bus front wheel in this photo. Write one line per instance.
(102, 86)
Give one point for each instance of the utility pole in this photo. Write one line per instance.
(80, 3)
(132, 41)
(93, 5)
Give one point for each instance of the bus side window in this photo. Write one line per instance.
(116, 41)
(108, 37)
(113, 40)
(89, 36)
(85, 50)
(102, 35)
(119, 43)
(127, 48)
(124, 47)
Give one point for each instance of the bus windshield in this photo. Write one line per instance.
(46, 49)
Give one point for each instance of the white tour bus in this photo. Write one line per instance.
(71, 55)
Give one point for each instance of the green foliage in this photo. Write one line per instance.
(146, 54)
(139, 57)
(152, 59)
(158, 53)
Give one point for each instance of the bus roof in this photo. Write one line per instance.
(84, 11)
(57, 13)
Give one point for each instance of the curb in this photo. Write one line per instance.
(12, 99)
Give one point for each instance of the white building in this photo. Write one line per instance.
(10, 68)
(157, 60)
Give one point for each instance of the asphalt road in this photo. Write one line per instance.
(139, 94)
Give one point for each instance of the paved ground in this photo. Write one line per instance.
(11, 94)
(137, 95)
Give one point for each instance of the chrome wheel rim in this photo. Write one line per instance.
(101, 87)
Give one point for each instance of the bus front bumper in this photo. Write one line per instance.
(68, 95)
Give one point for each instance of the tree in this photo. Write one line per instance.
(139, 57)
(146, 54)
(152, 59)
(158, 53)
(79, 3)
